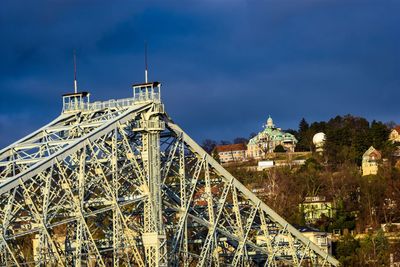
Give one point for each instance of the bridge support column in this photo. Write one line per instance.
(154, 239)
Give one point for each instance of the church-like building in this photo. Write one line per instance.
(266, 141)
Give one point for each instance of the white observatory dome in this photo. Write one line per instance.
(319, 139)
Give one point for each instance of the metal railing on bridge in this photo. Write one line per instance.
(81, 105)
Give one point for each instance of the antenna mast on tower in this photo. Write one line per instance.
(75, 81)
(145, 62)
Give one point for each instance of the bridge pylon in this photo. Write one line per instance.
(153, 237)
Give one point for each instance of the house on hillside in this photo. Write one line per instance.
(370, 161)
(394, 135)
(320, 238)
(266, 141)
(314, 208)
(231, 153)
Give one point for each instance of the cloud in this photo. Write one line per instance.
(224, 66)
(15, 126)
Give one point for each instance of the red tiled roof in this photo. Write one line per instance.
(376, 153)
(397, 128)
(199, 196)
(373, 152)
(233, 147)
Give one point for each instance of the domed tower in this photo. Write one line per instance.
(270, 122)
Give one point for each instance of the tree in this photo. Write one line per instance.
(372, 196)
(240, 140)
(291, 131)
(374, 249)
(215, 155)
(309, 178)
(303, 126)
(317, 127)
(342, 220)
(346, 250)
(224, 142)
(390, 125)
(347, 138)
(304, 138)
(208, 145)
(378, 134)
(253, 134)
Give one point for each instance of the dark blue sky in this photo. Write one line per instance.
(225, 65)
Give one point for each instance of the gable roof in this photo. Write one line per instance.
(372, 151)
(233, 147)
(397, 129)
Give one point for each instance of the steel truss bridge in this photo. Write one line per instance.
(118, 183)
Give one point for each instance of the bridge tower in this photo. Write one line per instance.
(154, 238)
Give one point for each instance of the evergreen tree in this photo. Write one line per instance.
(378, 134)
(347, 138)
(304, 140)
(303, 126)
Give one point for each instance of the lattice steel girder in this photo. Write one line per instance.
(123, 190)
(73, 147)
(268, 212)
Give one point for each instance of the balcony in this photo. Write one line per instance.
(142, 93)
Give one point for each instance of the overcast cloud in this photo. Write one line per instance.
(225, 65)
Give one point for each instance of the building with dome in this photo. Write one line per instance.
(319, 142)
(266, 141)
